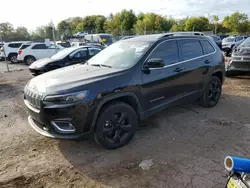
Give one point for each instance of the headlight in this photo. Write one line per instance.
(67, 98)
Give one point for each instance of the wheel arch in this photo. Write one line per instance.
(128, 98)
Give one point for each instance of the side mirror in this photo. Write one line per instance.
(154, 63)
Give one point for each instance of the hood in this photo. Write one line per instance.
(63, 80)
(241, 51)
(40, 63)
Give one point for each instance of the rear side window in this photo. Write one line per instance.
(190, 48)
(24, 46)
(40, 47)
(207, 47)
(167, 51)
(14, 45)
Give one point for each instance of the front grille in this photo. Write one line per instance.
(33, 98)
(241, 65)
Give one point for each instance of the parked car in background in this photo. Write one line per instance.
(63, 44)
(66, 57)
(217, 40)
(103, 38)
(240, 60)
(229, 42)
(80, 34)
(128, 81)
(77, 44)
(33, 51)
(223, 36)
(11, 49)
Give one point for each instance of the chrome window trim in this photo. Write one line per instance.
(180, 61)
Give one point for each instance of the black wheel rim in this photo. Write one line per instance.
(117, 128)
(214, 92)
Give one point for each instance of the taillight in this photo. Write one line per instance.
(19, 52)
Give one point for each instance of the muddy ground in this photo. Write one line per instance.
(187, 145)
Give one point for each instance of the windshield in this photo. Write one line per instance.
(245, 43)
(229, 39)
(122, 54)
(63, 53)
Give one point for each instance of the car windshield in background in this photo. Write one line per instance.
(121, 55)
(215, 38)
(62, 54)
(245, 43)
(229, 39)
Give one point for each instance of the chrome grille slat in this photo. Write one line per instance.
(33, 98)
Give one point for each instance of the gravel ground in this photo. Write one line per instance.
(187, 145)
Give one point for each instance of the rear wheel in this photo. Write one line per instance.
(13, 58)
(212, 93)
(29, 59)
(116, 125)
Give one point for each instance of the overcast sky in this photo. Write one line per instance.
(32, 13)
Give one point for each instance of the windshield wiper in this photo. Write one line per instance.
(101, 65)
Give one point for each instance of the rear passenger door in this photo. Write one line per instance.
(196, 65)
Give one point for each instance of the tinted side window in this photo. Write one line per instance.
(207, 47)
(190, 48)
(167, 51)
(40, 47)
(24, 46)
(93, 51)
(14, 45)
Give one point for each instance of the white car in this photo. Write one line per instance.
(33, 51)
(229, 42)
(10, 49)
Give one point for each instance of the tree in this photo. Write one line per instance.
(63, 27)
(21, 33)
(197, 24)
(174, 28)
(216, 20)
(237, 22)
(6, 30)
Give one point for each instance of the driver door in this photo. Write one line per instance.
(163, 85)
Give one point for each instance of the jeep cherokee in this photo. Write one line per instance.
(126, 82)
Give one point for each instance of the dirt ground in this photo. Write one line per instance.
(187, 144)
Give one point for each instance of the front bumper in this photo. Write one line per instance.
(36, 72)
(43, 120)
(238, 63)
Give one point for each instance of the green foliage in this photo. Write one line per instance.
(237, 23)
(127, 22)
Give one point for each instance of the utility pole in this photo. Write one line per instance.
(193, 28)
(145, 29)
(53, 33)
(7, 66)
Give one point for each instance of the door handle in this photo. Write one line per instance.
(207, 61)
(178, 69)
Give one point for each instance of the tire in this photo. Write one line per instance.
(13, 58)
(116, 125)
(212, 93)
(29, 59)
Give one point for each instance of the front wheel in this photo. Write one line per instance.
(212, 92)
(116, 125)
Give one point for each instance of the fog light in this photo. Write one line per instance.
(63, 126)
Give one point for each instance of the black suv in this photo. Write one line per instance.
(126, 82)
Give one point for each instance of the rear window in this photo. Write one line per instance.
(40, 46)
(24, 46)
(207, 47)
(190, 49)
(14, 45)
